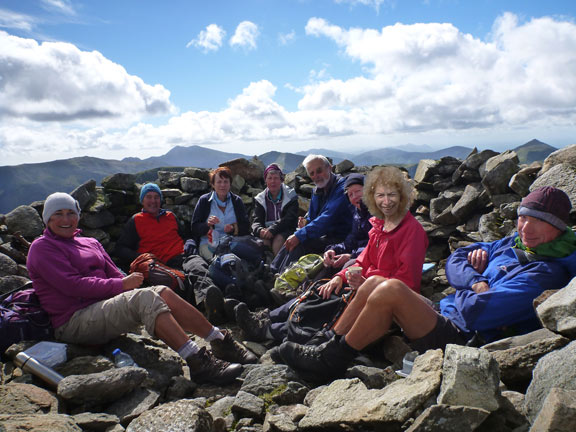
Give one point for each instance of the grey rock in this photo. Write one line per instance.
(171, 193)
(180, 416)
(512, 408)
(183, 199)
(7, 266)
(238, 183)
(97, 220)
(558, 413)
(490, 226)
(497, 171)
(425, 170)
(13, 253)
(199, 173)
(38, 422)
(520, 183)
(292, 393)
(133, 404)
(510, 210)
(249, 170)
(26, 399)
(442, 184)
(26, 220)
(560, 176)
(169, 179)
(8, 283)
(95, 421)
(453, 193)
(441, 211)
(267, 378)
(343, 166)
(556, 369)
(85, 365)
(119, 181)
(349, 402)
(517, 356)
(558, 312)
(284, 418)
(469, 201)
(566, 155)
(180, 388)
(502, 199)
(85, 194)
(372, 377)
(248, 405)
(449, 418)
(194, 185)
(470, 377)
(312, 394)
(101, 387)
(222, 407)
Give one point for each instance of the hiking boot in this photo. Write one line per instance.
(320, 337)
(230, 350)
(318, 363)
(279, 297)
(229, 305)
(275, 355)
(205, 368)
(255, 328)
(214, 305)
(233, 291)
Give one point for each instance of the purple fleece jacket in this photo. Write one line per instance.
(71, 274)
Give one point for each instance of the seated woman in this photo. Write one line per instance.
(218, 213)
(275, 210)
(394, 255)
(91, 302)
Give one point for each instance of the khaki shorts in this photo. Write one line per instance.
(107, 319)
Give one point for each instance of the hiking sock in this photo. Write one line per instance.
(188, 349)
(345, 347)
(215, 333)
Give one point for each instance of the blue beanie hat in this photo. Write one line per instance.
(150, 187)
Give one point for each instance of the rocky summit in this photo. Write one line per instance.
(523, 383)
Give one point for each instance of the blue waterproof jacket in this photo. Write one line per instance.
(333, 217)
(357, 239)
(506, 308)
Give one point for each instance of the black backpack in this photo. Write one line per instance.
(310, 312)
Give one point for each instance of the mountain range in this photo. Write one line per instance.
(23, 184)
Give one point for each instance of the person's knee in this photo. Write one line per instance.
(389, 291)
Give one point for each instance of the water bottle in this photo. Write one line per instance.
(29, 364)
(121, 359)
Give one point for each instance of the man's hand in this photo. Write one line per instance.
(480, 287)
(334, 284)
(133, 280)
(266, 234)
(478, 259)
(329, 256)
(341, 260)
(302, 222)
(291, 242)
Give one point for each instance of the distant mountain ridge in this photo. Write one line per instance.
(23, 184)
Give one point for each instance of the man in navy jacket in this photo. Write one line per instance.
(495, 286)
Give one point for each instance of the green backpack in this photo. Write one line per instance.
(306, 268)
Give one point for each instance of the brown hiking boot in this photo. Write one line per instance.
(204, 367)
(230, 350)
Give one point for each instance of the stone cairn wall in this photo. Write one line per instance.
(516, 384)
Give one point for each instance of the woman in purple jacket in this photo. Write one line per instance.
(91, 302)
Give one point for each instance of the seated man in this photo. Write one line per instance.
(156, 230)
(273, 325)
(495, 285)
(329, 217)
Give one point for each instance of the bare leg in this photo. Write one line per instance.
(348, 317)
(391, 300)
(277, 243)
(171, 327)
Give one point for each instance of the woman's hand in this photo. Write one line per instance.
(355, 280)
(334, 285)
(212, 220)
(133, 280)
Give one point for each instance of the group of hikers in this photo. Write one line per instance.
(371, 245)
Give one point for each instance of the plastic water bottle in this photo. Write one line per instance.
(121, 359)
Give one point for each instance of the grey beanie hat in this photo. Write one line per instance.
(59, 201)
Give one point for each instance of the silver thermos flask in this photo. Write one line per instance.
(33, 366)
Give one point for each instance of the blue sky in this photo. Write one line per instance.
(125, 78)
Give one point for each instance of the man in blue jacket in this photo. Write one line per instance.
(329, 217)
(495, 285)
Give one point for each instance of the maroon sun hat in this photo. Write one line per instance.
(548, 204)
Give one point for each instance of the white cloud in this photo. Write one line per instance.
(210, 39)
(371, 3)
(56, 81)
(61, 6)
(245, 35)
(14, 20)
(287, 38)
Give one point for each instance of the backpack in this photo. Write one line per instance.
(310, 312)
(228, 269)
(246, 247)
(22, 318)
(306, 268)
(157, 273)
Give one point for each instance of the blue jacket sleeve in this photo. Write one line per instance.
(200, 216)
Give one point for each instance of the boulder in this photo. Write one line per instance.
(248, 405)
(449, 418)
(558, 312)
(119, 181)
(20, 398)
(554, 370)
(194, 185)
(470, 377)
(558, 412)
(425, 170)
(169, 179)
(38, 422)
(182, 415)
(7, 266)
(249, 170)
(497, 171)
(26, 220)
(198, 173)
(133, 404)
(85, 194)
(566, 155)
(560, 176)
